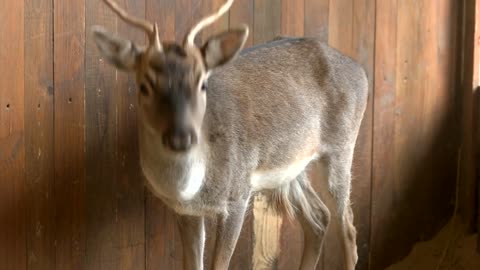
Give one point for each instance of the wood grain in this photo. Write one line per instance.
(267, 20)
(267, 229)
(363, 45)
(209, 7)
(293, 17)
(411, 193)
(384, 127)
(39, 138)
(468, 82)
(12, 137)
(115, 204)
(316, 18)
(69, 130)
(101, 142)
(340, 26)
(130, 191)
(183, 18)
(242, 13)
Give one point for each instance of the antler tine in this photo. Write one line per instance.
(140, 23)
(190, 37)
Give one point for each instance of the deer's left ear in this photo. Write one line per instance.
(224, 47)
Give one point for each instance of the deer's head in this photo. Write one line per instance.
(171, 77)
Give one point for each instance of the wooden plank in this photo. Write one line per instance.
(69, 70)
(316, 18)
(12, 141)
(363, 45)
(469, 80)
(115, 204)
(267, 20)
(101, 135)
(267, 230)
(183, 18)
(209, 7)
(163, 246)
(340, 23)
(424, 136)
(39, 162)
(162, 12)
(293, 17)
(130, 189)
(383, 195)
(442, 110)
(242, 13)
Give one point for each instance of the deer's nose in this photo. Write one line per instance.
(180, 139)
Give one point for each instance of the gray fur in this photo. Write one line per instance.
(289, 99)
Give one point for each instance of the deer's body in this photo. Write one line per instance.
(262, 119)
(269, 113)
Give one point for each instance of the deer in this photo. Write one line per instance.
(218, 124)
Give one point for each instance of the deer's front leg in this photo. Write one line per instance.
(228, 231)
(193, 240)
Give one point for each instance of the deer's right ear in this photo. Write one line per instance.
(122, 53)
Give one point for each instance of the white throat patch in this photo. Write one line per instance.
(194, 180)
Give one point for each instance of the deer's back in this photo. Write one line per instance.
(286, 101)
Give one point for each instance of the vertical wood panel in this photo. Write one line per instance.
(407, 182)
(267, 20)
(340, 24)
(101, 135)
(242, 13)
(441, 129)
(183, 18)
(12, 140)
(39, 134)
(469, 80)
(130, 189)
(293, 17)
(363, 45)
(163, 248)
(69, 70)
(210, 6)
(383, 196)
(316, 18)
(115, 204)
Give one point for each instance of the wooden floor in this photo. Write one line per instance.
(71, 192)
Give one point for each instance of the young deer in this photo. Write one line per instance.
(269, 114)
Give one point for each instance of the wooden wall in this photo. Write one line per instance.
(71, 193)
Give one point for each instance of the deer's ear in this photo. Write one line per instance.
(122, 53)
(222, 48)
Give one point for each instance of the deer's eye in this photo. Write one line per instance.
(143, 90)
(204, 86)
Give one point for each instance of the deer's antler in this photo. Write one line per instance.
(148, 27)
(190, 37)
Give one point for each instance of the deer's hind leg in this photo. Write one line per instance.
(313, 216)
(338, 166)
